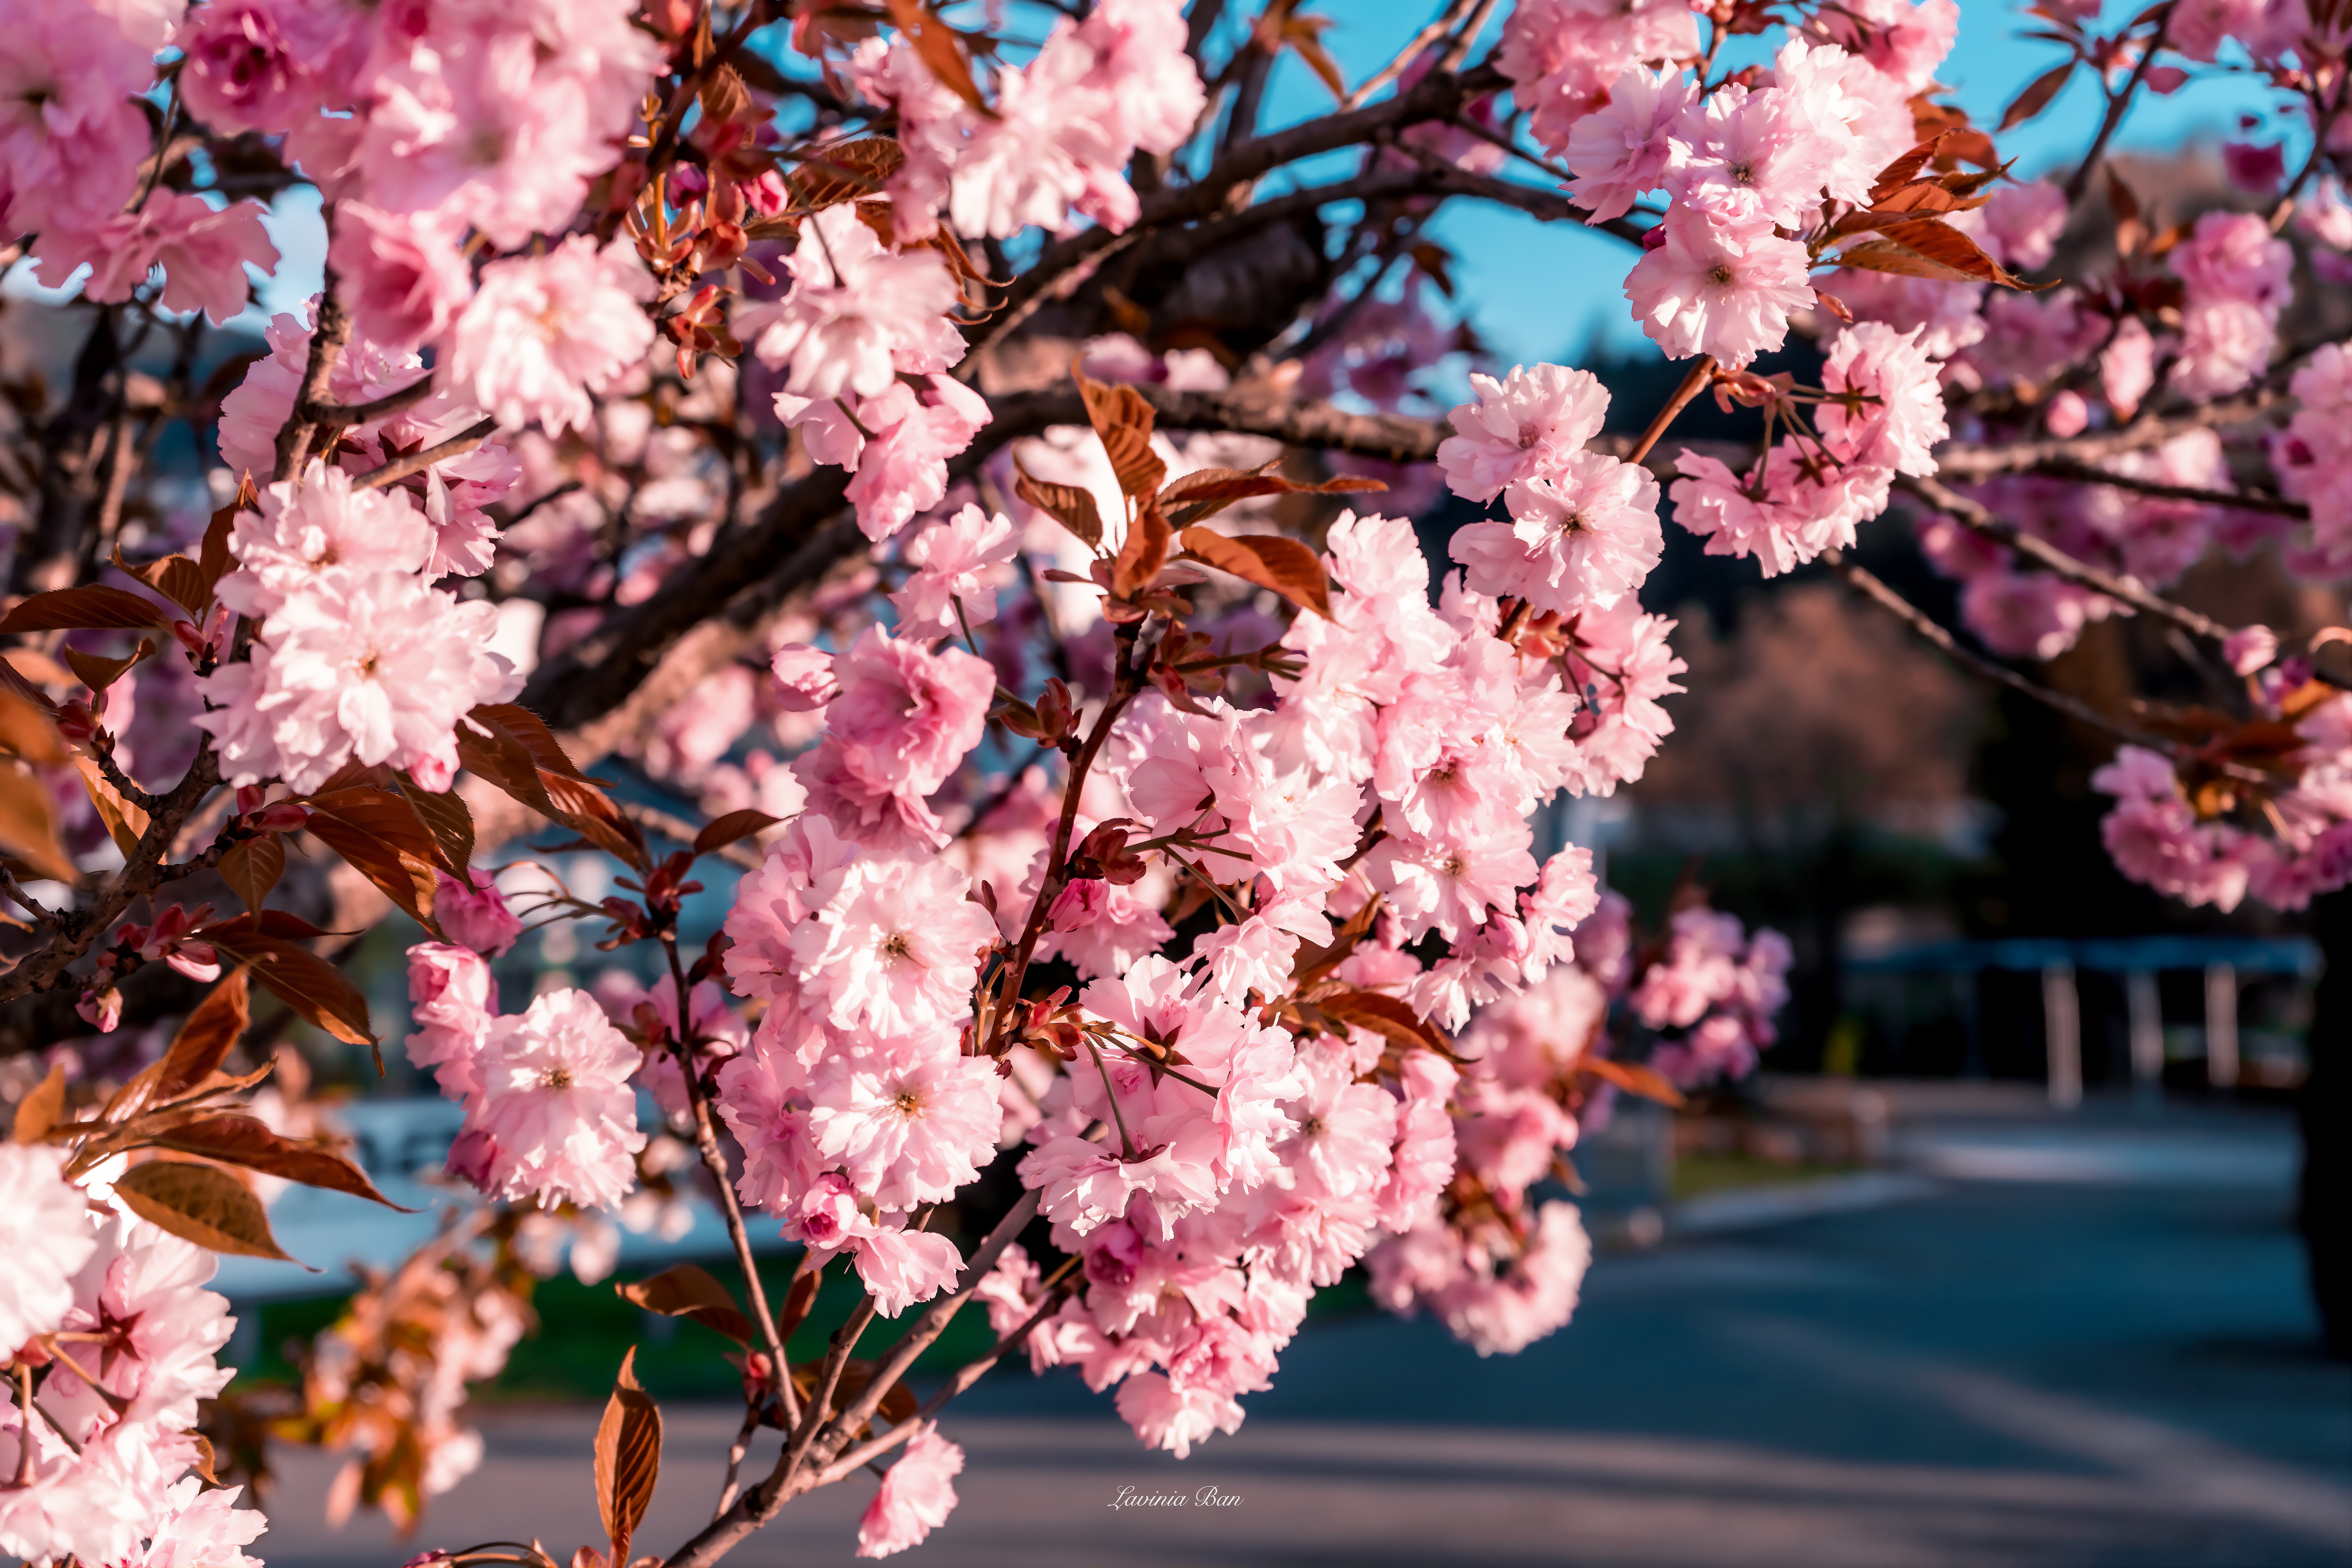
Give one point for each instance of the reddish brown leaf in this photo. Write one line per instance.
(719, 833)
(314, 988)
(936, 45)
(176, 577)
(1144, 551)
(628, 1457)
(253, 867)
(28, 822)
(1268, 559)
(1069, 505)
(94, 609)
(98, 673)
(203, 1204)
(1634, 1079)
(1929, 247)
(43, 1107)
(448, 819)
(845, 172)
(2037, 95)
(797, 1302)
(246, 1142)
(1123, 420)
(126, 820)
(1385, 1016)
(207, 1037)
(377, 832)
(693, 1293)
(1902, 172)
(25, 729)
(213, 557)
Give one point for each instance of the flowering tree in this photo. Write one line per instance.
(951, 397)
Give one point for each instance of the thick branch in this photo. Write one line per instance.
(334, 330)
(2243, 500)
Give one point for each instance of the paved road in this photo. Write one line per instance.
(2079, 1345)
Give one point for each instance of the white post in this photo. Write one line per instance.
(2221, 1026)
(2146, 1016)
(2062, 1029)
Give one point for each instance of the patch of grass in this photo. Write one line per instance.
(1699, 1173)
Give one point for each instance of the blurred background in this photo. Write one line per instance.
(1997, 1260)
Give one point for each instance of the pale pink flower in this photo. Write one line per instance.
(1588, 537)
(908, 1118)
(46, 1236)
(959, 563)
(475, 912)
(1724, 289)
(543, 333)
(2128, 366)
(903, 472)
(805, 678)
(1895, 413)
(1903, 40)
(2250, 648)
(315, 525)
(1563, 55)
(2024, 222)
(404, 275)
(1624, 149)
(903, 722)
(916, 1496)
(1165, 1416)
(255, 65)
(148, 1285)
(203, 251)
(557, 1105)
(201, 1528)
(455, 1003)
(1748, 159)
(1140, 64)
(857, 314)
(71, 134)
(1448, 888)
(891, 945)
(2028, 614)
(1530, 424)
(378, 666)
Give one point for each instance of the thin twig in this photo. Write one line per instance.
(399, 468)
(1919, 622)
(1702, 371)
(1977, 518)
(2118, 103)
(1412, 51)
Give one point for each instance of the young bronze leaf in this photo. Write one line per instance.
(2037, 95)
(315, 989)
(126, 820)
(1123, 420)
(797, 1301)
(98, 673)
(176, 577)
(213, 557)
(245, 1141)
(1634, 1079)
(628, 1457)
(830, 175)
(935, 45)
(203, 1204)
(1385, 1016)
(1268, 559)
(25, 728)
(530, 732)
(720, 831)
(28, 822)
(252, 868)
(448, 819)
(1069, 505)
(95, 609)
(1144, 551)
(377, 831)
(693, 1293)
(43, 1107)
(206, 1038)
(1902, 170)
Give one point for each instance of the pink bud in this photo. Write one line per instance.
(249, 798)
(282, 817)
(1081, 903)
(2067, 415)
(102, 1010)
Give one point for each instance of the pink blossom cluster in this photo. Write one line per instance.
(97, 1474)
(863, 339)
(358, 658)
(1746, 169)
(1059, 133)
(1881, 414)
(550, 1113)
(2313, 457)
(2213, 846)
(2235, 278)
(1713, 996)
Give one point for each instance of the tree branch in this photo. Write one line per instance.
(1910, 615)
(400, 467)
(2243, 500)
(1966, 461)
(1970, 515)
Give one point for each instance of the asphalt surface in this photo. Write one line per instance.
(2046, 1343)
